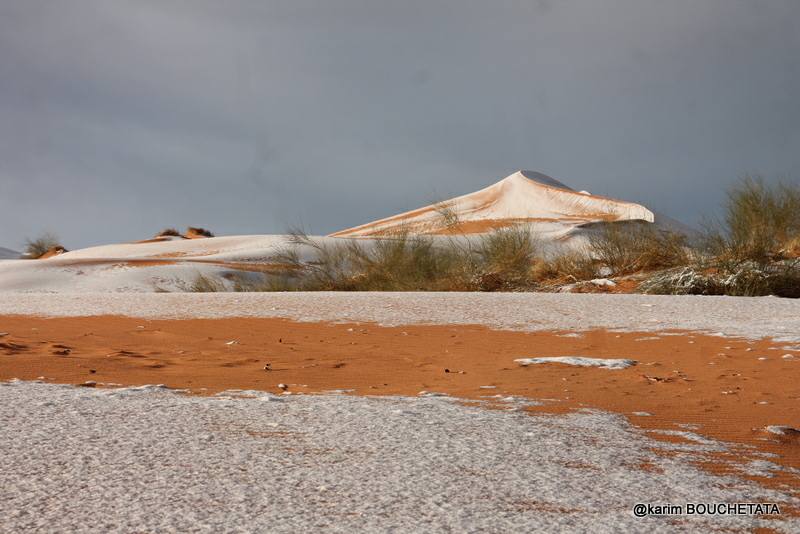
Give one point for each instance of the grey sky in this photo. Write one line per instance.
(120, 118)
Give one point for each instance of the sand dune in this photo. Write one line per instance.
(557, 214)
(8, 254)
(164, 264)
(525, 197)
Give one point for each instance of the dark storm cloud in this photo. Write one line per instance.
(118, 119)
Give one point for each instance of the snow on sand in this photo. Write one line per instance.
(749, 317)
(145, 459)
(579, 361)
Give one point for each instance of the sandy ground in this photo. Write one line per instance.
(699, 404)
(729, 389)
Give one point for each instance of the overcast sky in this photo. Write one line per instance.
(120, 118)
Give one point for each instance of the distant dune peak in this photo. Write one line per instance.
(538, 177)
(524, 197)
(8, 254)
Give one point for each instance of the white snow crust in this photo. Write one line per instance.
(151, 460)
(748, 317)
(579, 361)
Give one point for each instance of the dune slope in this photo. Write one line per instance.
(523, 197)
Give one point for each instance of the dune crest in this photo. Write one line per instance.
(523, 197)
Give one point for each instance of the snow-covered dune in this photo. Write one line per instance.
(558, 215)
(525, 197)
(8, 254)
(164, 264)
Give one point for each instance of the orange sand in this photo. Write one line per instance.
(718, 384)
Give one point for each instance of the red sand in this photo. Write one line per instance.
(718, 384)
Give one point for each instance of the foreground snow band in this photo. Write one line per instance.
(147, 459)
(749, 317)
(579, 361)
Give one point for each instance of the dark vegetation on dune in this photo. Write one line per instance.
(753, 250)
(194, 231)
(44, 245)
(169, 232)
(191, 231)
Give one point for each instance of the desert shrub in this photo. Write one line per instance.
(761, 223)
(747, 279)
(403, 263)
(564, 267)
(631, 247)
(392, 264)
(207, 284)
(508, 251)
(36, 248)
(448, 216)
(329, 269)
(193, 230)
(242, 283)
(500, 260)
(168, 232)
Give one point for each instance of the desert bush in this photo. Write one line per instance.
(500, 260)
(508, 251)
(242, 283)
(403, 263)
(448, 216)
(751, 252)
(761, 223)
(564, 267)
(168, 232)
(329, 270)
(399, 263)
(747, 279)
(207, 284)
(36, 248)
(193, 230)
(631, 247)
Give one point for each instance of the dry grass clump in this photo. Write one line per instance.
(448, 216)
(242, 283)
(168, 232)
(504, 259)
(191, 233)
(47, 242)
(400, 263)
(501, 260)
(753, 252)
(761, 223)
(748, 279)
(194, 231)
(627, 248)
(564, 267)
(207, 284)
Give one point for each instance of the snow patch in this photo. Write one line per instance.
(580, 361)
(783, 430)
